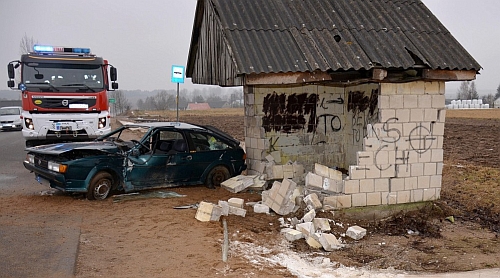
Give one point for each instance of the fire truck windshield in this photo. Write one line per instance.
(63, 77)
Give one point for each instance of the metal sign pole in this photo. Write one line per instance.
(177, 101)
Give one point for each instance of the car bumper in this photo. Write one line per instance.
(56, 180)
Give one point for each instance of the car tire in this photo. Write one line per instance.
(100, 186)
(216, 176)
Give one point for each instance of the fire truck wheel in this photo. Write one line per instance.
(100, 186)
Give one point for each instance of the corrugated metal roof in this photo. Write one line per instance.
(269, 36)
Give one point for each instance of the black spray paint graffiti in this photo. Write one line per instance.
(363, 109)
(284, 113)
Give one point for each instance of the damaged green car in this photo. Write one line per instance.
(139, 156)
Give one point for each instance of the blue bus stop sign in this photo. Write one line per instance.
(178, 74)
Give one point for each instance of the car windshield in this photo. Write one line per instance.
(57, 75)
(9, 111)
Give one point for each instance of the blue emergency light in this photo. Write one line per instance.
(49, 48)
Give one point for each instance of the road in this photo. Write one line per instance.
(30, 243)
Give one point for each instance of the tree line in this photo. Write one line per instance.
(467, 90)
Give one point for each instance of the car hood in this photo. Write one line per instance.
(61, 148)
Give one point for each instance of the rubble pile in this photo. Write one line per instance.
(322, 191)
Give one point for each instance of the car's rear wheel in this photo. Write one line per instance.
(216, 176)
(100, 186)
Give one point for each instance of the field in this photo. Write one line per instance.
(149, 238)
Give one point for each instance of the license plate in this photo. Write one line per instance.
(63, 126)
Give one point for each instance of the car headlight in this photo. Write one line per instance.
(56, 167)
(102, 123)
(30, 159)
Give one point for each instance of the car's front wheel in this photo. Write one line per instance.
(100, 186)
(216, 176)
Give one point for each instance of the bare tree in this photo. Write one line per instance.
(467, 90)
(26, 45)
(161, 100)
(121, 104)
(489, 99)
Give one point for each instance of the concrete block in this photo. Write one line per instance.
(364, 158)
(236, 202)
(417, 115)
(381, 157)
(260, 208)
(208, 212)
(335, 174)
(430, 115)
(373, 199)
(438, 129)
(309, 216)
(321, 224)
(417, 195)
(356, 172)
(388, 171)
(385, 115)
(423, 182)
(356, 232)
(404, 197)
(424, 101)
(238, 183)
(425, 157)
(396, 101)
(383, 102)
(417, 169)
(410, 101)
(389, 198)
(312, 201)
(371, 143)
(224, 207)
(333, 185)
(291, 234)
(314, 180)
(402, 171)
(237, 211)
(381, 185)
(396, 184)
(321, 170)
(430, 194)
(438, 101)
(437, 155)
(366, 185)
(359, 200)
(340, 201)
(276, 156)
(403, 115)
(351, 186)
(313, 242)
(372, 172)
(269, 158)
(306, 228)
(410, 183)
(435, 181)
(329, 242)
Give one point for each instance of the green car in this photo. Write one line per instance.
(139, 156)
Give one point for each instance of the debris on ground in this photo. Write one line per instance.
(146, 195)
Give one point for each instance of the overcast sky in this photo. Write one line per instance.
(143, 39)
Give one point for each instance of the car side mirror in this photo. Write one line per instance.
(10, 69)
(113, 74)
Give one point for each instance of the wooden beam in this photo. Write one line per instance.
(286, 78)
(449, 75)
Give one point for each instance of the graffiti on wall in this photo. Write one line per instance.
(287, 114)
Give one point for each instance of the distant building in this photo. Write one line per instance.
(198, 106)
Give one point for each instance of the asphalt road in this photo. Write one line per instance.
(31, 244)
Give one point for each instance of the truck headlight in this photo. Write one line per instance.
(29, 123)
(56, 167)
(102, 123)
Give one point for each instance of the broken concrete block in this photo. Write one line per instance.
(236, 202)
(312, 201)
(259, 182)
(321, 170)
(356, 232)
(208, 212)
(329, 242)
(309, 216)
(313, 242)
(321, 224)
(292, 234)
(224, 208)
(335, 174)
(238, 183)
(314, 180)
(237, 211)
(306, 228)
(279, 198)
(260, 208)
(260, 166)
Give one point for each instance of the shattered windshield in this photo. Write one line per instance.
(56, 75)
(9, 111)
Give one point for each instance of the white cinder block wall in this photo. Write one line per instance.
(388, 136)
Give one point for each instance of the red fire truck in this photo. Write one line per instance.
(64, 94)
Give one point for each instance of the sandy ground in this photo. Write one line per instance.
(150, 238)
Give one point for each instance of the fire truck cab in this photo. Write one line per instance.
(64, 94)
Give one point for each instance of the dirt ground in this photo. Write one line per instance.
(149, 238)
